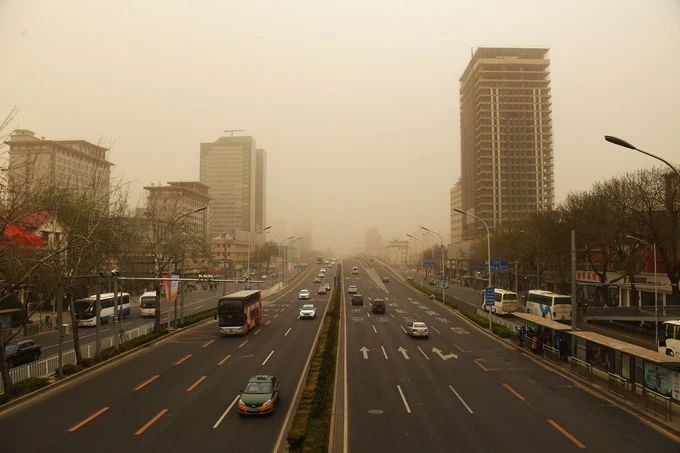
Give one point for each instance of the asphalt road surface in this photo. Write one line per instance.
(461, 390)
(179, 394)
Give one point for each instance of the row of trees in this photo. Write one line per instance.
(644, 204)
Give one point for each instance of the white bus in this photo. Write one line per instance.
(147, 304)
(669, 343)
(86, 308)
(548, 305)
(355, 270)
(504, 302)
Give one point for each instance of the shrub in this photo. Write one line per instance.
(70, 368)
(29, 385)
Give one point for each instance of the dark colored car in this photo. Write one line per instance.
(386, 279)
(357, 299)
(378, 306)
(260, 396)
(21, 352)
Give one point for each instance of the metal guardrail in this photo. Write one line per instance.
(618, 384)
(47, 366)
(581, 367)
(551, 353)
(658, 404)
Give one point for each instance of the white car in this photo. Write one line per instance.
(307, 311)
(417, 329)
(304, 294)
(352, 289)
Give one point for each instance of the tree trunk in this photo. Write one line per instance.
(157, 315)
(6, 379)
(74, 329)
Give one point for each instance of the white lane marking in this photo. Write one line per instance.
(402, 328)
(373, 325)
(461, 400)
(404, 352)
(287, 332)
(265, 360)
(423, 352)
(226, 412)
(392, 315)
(435, 329)
(403, 398)
(368, 314)
(364, 350)
(444, 357)
(384, 352)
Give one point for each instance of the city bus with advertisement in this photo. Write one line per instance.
(505, 301)
(669, 341)
(549, 305)
(239, 312)
(147, 304)
(86, 308)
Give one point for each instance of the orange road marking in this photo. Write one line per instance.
(224, 359)
(267, 323)
(479, 364)
(241, 345)
(195, 384)
(459, 348)
(566, 434)
(257, 331)
(150, 422)
(208, 343)
(147, 382)
(88, 419)
(276, 315)
(514, 392)
(186, 357)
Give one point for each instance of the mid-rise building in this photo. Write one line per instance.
(229, 167)
(506, 136)
(181, 199)
(76, 165)
(397, 252)
(230, 252)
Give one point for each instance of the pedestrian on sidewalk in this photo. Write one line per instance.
(563, 348)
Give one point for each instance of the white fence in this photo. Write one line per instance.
(47, 366)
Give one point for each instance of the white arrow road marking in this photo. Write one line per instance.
(444, 357)
(404, 353)
(265, 360)
(384, 352)
(403, 398)
(423, 352)
(364, 350)
(461, 400)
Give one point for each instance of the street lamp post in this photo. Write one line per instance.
(442, 253)
(656, 294)
(264, 231)
(488, 250)
(283, 271)
(625, 144)
(422, 251)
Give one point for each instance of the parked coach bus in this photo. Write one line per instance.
(86, 308)
(239, 312)
(549, 305)
(669, 343)
(504, 302)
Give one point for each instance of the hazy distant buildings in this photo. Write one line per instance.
(75, 165)
(235, 173)
(178, 199)
(506, 137)
(397, 252)
(373, 243)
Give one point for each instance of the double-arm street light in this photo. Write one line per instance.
(656, 284)
(420, 265)
(284, 265)
(442, 279)
(250, 242)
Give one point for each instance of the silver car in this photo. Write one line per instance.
(307, 311)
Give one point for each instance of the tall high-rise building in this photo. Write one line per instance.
(229, 167)
(260, 190)
(506, 136)
(76, 165)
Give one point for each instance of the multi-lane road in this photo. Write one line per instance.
(461, 390)
(180, 393)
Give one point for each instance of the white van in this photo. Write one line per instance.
(147, 304)
(505, 302)
(549, 305)
(355, 270)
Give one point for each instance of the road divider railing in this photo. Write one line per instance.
(40, 373)
(581, 367)
(309, 429)
(618, 385)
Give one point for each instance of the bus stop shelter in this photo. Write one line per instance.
(551, 329)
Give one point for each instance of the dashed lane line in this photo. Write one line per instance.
(224, 414)
(153, 420)
(461, 400)
(88, 419)
(147, 382)
(566, 434)
(195, 384)
(183, 359)
(403, 398)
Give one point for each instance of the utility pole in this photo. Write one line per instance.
(60, 306)
(574, 312)
(181, 293)
(98, 318)
(516, 288)
(115, 312)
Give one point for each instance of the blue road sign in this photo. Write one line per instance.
(499, 265)
(428, 260)
(489, 296)
(336, 281)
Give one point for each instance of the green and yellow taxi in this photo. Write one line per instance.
(260, 396)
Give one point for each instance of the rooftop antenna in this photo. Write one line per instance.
(231, 131)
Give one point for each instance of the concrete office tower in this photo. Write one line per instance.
(506, 136)
(229, 169)
(260, 190)
(75, 165)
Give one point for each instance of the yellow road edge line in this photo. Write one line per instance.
(566, 434)
(150, 422)
(195, 384)
(186, 357)
(88, 419)
(147, 382)
(514, 392)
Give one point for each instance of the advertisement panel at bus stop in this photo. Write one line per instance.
(662, 380)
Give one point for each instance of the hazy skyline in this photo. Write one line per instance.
(356, 103)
